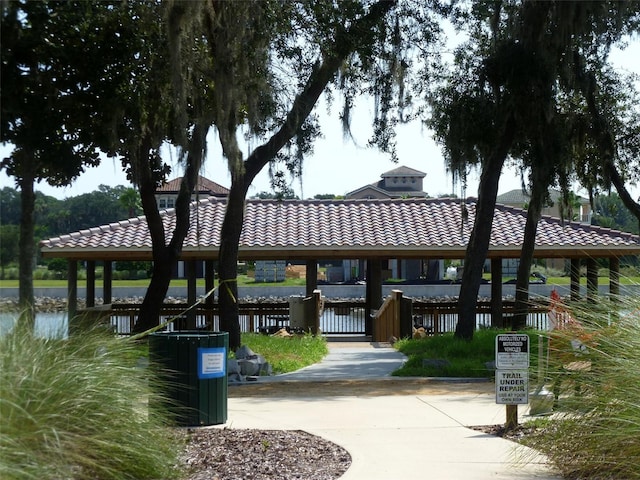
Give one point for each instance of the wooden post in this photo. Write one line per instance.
(191, 293)
(397, 314)
(512, 417)
(311, 280)
(575, 279)
(373, 292)
(72, 290)
(91, 283)
(496, 293)
(592, 280)
(209, 284)
(614, 277)
(107, 282)
(614, 286)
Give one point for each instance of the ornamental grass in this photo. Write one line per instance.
(76, 408)
(594, 371)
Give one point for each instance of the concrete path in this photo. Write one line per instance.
(397, 436)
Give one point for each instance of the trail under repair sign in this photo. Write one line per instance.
(512, 387)
(512, 351)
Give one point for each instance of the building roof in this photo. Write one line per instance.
(399, 191)
(323, 229)
(378, 189)
(519, 197)
(403, 171)
(203, 187)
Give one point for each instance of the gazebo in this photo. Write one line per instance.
(371, 230)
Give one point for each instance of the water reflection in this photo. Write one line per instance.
(48, 325)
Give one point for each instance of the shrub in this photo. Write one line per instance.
(77, 408)
(596, 424)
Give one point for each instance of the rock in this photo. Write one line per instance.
(244, 352)
(235, 378)
(249, 367)
(490, 365)
(266, 369)
(232, 366)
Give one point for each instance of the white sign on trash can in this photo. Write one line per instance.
(212, 362)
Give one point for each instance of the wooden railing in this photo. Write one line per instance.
(339, 317)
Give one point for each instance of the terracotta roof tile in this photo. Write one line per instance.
(204, 185)
(408, 227)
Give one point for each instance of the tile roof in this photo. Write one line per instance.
(403, 171)
(204, 185)
(520, 197)
(378, 188)
(409, 228)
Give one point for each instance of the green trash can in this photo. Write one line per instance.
(193, 365)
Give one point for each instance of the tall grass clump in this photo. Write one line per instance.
(76, 409)
(594, 368)
(287, 354)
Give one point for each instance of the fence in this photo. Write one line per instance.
(338, 317)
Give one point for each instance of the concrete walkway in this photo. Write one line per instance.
(397, 436)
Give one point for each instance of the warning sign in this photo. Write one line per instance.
(212, 362)
(512, 351)
(512, 387)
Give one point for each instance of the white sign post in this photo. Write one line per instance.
(512, 373)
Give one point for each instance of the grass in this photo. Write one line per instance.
(77, 408)
(595, 427)
(464, 358)
(243, 280)
(287, 354)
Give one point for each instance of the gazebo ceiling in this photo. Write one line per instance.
(341, 229)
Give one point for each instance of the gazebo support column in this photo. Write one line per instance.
(592, 279)
(91, 283)
(496, 293)
(311, 274)
(72, 290)
(191, 293)
(614, 286)
(575, 279)
(107, 282)
(209, 284)
(614, 279)
(373, 299)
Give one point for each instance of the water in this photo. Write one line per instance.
(48, 325)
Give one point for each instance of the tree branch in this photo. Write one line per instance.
(344, 44)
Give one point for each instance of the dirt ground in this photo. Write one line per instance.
(360, 388)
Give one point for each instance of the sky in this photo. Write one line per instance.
(337, 165)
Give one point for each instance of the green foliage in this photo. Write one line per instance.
(77, 408)
(59, 265)
(287, 354)
(465, 358)
(596, 423)
(610, 212)
(9, 244)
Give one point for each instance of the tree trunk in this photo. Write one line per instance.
(519, 319)
(228, 264)
(478, 245)
(165, 256)
(26, 255)
(242, 177)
